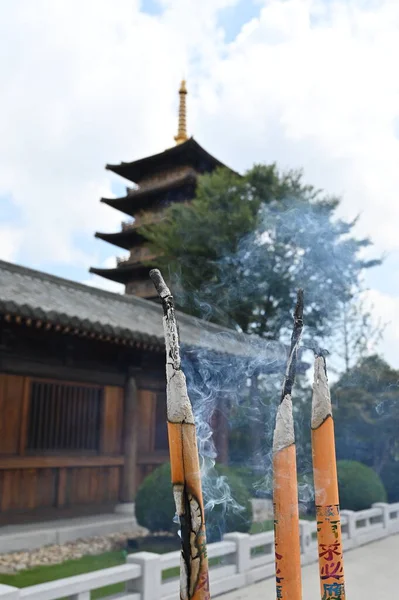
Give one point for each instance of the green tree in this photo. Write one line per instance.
(239, 251)
(366, 401)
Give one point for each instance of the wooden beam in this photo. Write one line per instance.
(36, 369)
(24, 416)
(130, 441)
(112, 421)
(62, 487)
(153, 458)
(151, 379)
(146, 409)
(45, 462)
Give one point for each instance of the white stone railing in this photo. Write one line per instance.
(239, 560)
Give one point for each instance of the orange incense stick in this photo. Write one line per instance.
(184, 459)
(285, 485)
(329, 537)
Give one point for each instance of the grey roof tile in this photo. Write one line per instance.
(37, 295)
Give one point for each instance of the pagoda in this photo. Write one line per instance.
(160, 179)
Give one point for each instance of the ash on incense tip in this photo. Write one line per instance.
(321, 403)
(159, 283)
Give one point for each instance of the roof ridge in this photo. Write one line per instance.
(84, 287)
(172, 149)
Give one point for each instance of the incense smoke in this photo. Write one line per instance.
(221, 382)
(249, 387)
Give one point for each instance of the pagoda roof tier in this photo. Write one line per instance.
(172, 190)
(188, 153)
(126, 238)
(122, 273)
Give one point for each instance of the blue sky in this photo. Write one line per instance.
(306, 83)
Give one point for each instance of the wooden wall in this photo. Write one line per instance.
(13, 410)
(152, 442)
(50, 480)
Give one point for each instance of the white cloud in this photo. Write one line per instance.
(10, 241)
(322, 96)
(82, 86)
(386, 310)
(309, 83)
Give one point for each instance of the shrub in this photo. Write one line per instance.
(228, 517)
(155, 506)
(359, 485)
(250, 479)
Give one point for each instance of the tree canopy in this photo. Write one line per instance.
(239, 251)
(366, 411)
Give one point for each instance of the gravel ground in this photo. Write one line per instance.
(55, 554)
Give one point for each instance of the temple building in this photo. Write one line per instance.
(160, 180)
(83, 394)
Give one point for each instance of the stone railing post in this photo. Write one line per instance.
(384, 507)
(350, 516)
(80, 596)
(149, 584)
(8, 593)
(243, 550)
(306, 536)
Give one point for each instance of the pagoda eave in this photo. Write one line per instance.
(188, 153)
(118, 274)
(123, 273)
(123, 239)
(169, 191)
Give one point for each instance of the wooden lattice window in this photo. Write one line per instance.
(64, 417)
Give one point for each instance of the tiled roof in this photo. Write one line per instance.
(38, 297)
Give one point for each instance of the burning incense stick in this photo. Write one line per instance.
(331, 566)
(184, 459)
(285, 485)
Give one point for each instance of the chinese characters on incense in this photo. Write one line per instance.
(329, 537)
(184, 459)
(285, 486)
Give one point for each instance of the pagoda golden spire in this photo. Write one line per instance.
(182, 130)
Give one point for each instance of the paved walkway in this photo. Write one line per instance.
(371, 572)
